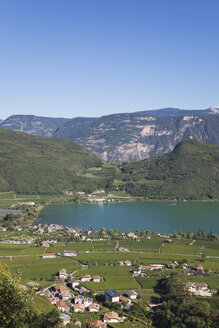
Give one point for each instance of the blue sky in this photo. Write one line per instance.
(96, 57)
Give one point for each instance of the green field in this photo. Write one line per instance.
(77, 246)
(35, 268)
(115, 282)
(146, 245)
(9, 250)
(180, 249)
(101, 246)
(147, 283)
(102, 258)
(104, 271)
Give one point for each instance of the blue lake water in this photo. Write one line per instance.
(154, 216)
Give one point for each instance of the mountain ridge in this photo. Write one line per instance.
(126, 136)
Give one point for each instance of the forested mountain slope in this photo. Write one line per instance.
(32, 164)
(190, 171)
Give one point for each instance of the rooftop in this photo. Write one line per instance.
(112, 292)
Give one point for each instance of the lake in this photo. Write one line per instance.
(155, 216)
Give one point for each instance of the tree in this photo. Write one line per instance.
(103, 232)
(179, 309)
(183, 313)
(170, 288)
(17, 306)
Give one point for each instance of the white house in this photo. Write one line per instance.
(70, 253)
(112, 295)
(86, 277)
(48, 256)
(194, 286)
(75, 282)
(132, 294)
(96, 279)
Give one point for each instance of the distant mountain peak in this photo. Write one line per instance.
(215, 109)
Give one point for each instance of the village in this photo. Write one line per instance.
(70, 297)
(98, 278)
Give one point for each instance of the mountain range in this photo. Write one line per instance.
(37, 165)
(127, 136)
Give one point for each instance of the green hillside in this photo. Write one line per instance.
(37, 165)
(190, 171)
(32, 164)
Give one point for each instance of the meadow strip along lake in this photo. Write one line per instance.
(155, 216)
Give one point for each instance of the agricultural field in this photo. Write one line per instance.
(9, 250)
(104, 271)
(103, 259)
(211, 264)
(82, 246)
(147, 283)
(113, 282)
(34, 268)
(101, 246)
(7, 199)
(148, 258)
(145, 245)
(180, 249)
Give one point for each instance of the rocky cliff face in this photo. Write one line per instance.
(129, 136)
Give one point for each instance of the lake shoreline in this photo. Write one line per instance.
(157, 216)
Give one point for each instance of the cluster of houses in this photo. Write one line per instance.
(60, 296)
(141, 269)
(113, 296)
(66, 302)
(63, 275)
(49, 228)
(199, 271)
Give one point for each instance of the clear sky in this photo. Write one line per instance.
(95, 57)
